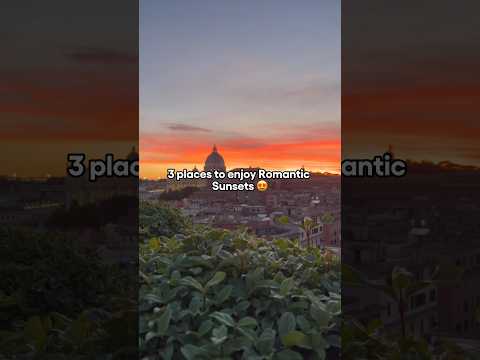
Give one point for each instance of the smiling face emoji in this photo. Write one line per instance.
(262, 185)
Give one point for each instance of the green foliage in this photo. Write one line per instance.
(328, 218)
(96, 214)
(44, 272)
(159, 220)
(216, 294)
(92, 334)
(362, 342)
(368, 342)
(398, 287)
(306, 226)
(57, 302)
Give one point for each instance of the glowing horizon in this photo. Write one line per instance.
(315, 156)
(160, 169)
(156, 156)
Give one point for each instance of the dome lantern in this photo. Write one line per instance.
(214, 161)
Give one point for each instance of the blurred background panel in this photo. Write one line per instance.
(410, 245)
(69, 83)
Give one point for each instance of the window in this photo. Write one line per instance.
(433, 295)
(358, 256)
(420, 300)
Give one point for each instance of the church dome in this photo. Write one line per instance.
(133, 155)
(214, 161)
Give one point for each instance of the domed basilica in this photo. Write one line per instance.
(214, 161)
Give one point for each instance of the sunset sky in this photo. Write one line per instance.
(69, 83)
(410, 77)
(260, 79)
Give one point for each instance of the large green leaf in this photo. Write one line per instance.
(249, 333)
(164, 321)
(216, 279)
(167, 353)
(247, 322)
(205, 327)
(286, 323)
(192, 352)
(288, 355)
(320, 315)
(303, 323)
(319, 343)
(286, 286)
(79, 329)
(35, 332)
(219, 335)
(295, 338)
(266, 341)
(223, 318)
(196, 304)
(223, 294)
(190, 281)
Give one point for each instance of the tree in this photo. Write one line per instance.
(328, 218)
(399, 287)
(306, 226)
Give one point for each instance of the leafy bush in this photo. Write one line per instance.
(372, 341)
(97, 214)
(57, 302)
(160, 220)
(45, 272)
(216, 294)
(94, 334)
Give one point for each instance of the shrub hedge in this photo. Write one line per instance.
(218, 294)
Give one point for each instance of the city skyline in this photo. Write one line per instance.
(261, 80)
(200, 165)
